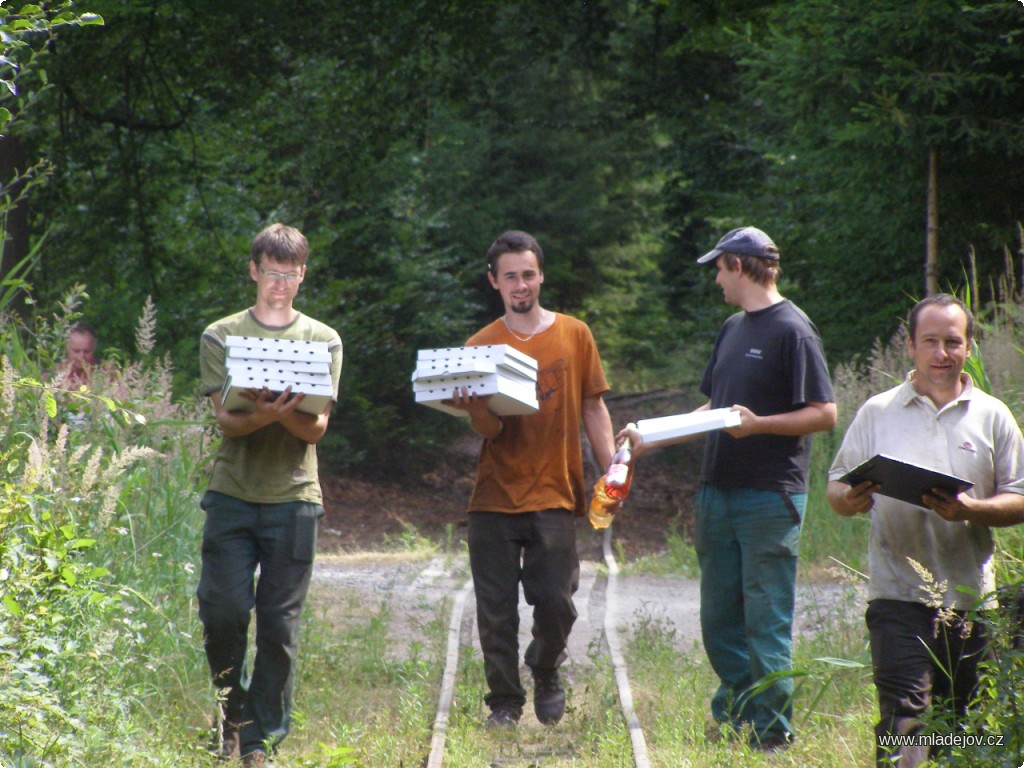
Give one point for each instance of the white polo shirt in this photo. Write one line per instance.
(974, 437)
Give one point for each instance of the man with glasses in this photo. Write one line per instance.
(262, 506)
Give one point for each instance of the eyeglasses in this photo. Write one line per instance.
(288, 277)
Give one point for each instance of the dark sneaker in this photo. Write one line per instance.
(548, 697)
(502, 718)
(775, 743)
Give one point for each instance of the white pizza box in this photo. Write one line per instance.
(665, 428)
(275, 384)
(282, 355)
(482, 384)
(455, 365)
(473, 381)
(500, 403)
(314, 405)
(444, 368)
(309, 367)
(279, 372)
(508, 398)
(315, 400)
(495, 353)
(277, 349)
(448, 383)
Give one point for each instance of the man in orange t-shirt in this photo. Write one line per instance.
(529, 486)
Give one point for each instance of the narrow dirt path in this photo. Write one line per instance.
(353, 587)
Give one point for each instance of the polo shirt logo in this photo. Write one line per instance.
(755, 353)
(967, 446)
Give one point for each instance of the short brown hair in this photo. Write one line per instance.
(760, 270)
(939, 300)
(281, 243)
(513, 241)
(83, 327)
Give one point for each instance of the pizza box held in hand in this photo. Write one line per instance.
(664, 428)
(499, 371)
(254, 347)
(508, 398)
(315, 399)
(495, 353)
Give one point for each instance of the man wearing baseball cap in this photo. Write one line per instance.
(769, 365)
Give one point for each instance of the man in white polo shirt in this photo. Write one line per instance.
(931, 563)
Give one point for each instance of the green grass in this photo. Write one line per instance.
(672, 688)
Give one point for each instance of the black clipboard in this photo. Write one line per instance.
(903, 481)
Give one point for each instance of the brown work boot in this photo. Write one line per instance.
(256, 759)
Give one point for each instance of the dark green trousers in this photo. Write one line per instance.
(537, 550)
(238, 538)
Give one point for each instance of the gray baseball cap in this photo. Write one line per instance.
(746, 241)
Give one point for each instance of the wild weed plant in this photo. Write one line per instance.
(97, 551)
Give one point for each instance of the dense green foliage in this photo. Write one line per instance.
(402, 136)
(98, 524)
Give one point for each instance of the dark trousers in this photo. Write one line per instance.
(238, 537)
(920, 662)
(537, 549)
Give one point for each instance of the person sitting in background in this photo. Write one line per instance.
(76, 369)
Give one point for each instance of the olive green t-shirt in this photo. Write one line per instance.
(269, 466)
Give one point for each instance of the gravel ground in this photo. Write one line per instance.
(353, 587)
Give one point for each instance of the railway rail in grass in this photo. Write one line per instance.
(459, 632)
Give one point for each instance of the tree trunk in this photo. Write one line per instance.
(931, 263)
(15, 237)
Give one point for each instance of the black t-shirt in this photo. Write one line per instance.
(771, 361)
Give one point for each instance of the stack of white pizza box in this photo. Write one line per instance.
(504, 373)
(276, 364)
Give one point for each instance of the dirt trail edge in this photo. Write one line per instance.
(350, 588)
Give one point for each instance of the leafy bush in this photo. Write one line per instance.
(97, 535)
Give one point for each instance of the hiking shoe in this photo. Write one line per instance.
(774, 743)
(548, 697)
(256, 759)
(502, 718)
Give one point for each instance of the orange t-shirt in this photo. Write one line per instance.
(537, 461)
